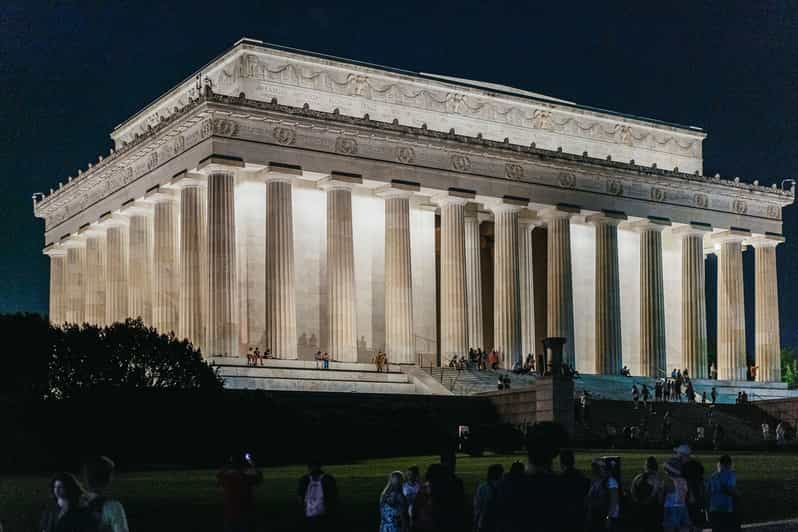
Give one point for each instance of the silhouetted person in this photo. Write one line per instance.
(110, 513)
(645, 493)
(317, 492)
(394, 515)
(603, 500)
(66, 513)
(723, 495)
(238, 479)
(574, 487)
(486, 517)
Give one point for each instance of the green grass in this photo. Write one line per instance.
(190, 500)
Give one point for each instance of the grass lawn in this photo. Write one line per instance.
(190, 500)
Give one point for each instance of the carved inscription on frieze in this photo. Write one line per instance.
(614, 187)
(461, 163)
(657, 194)
(566, 180)
(700, 200)
(346, 145)
(740, 206)
(405, 154)
(513, 171)
(284, 136)
(224, 127)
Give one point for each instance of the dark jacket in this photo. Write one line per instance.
(77, 519)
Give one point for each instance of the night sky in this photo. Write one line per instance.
(68, 75)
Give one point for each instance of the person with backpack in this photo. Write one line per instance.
(238, 479)
(108, 513)
(485, 518)
(645, 494)
(317, 492)
(603, 499)
(67, 514)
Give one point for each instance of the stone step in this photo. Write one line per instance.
(313, 385)
(300, 364)
(318, 374)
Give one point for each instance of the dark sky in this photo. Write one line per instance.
(69, 74)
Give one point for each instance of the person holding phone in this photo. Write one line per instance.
(238, 479)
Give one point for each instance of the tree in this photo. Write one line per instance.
(127, 356)
(789, 366)
(27, 339)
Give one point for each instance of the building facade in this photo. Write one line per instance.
(297, 202)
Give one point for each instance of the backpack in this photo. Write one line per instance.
(314, 498)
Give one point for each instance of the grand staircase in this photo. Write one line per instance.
(472, 381)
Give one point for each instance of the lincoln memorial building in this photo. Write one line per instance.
(302, 203)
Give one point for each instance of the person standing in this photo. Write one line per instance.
(238, 479)
(485, 501)
(393, 506)
(722, 488)
(317, 492)
(410, 489)
(674, 498)
(666, 426)
(66, 513)
(574, 488)
(109, 513)
(780, 434)
(646, 488)
(714, 395)
(603, 499)
(765, 431)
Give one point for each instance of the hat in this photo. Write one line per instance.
(683, 449)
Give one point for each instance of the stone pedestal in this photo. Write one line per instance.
(694, 314)
(454, 303)
(58, 283)
(506, 285)
(554, 401)
(653, 356)
(341, 273)
(768, 344)
(732, 363)
(116, 272)
(399, 337)
(280, 275)
(166, 263)
(608, 295)
(527, 285)
(222, 325)
(140, 263)
(193, 260)
(559, 283)
(473, 279)
(95, 277)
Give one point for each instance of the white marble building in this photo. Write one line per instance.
(299, 202)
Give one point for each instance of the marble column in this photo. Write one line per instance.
(527, 286)
(453, 289)
(694, 306)
(116, 272)
(222, 326)
(608, 294)
(140, 263)
(732, 364)
(165, 262)
(559, 282)
(281, 335)
(95, 277)
(341, 273)
(76, 279)
(58, 283)
(193, 260)
(653, 355)
(400, 339)
(506, 285)
(473, 279)
(768, 344)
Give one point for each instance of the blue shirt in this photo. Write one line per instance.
(719, 499)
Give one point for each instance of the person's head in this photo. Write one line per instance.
(517, 469)
(651, 464)
(66, 489)
(495, 472)
(567, 460)
(673, 467)
(599, 469)
(683, 452)
(543, 443)
(314, 466)
(724, 462)
(412, 473)
(98, 471)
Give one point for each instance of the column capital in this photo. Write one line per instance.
(340, 181)
(453, 196)
(730, 235)
(768, 240)
(279, 172)
(74, 241)
(558, 211)
(54, 250)
(94, 230)
(185, 179)
(606, 217)
(220, 164)
(691, 229)
(507, 204)
(398, 189)
(651, 223)
(160, 193)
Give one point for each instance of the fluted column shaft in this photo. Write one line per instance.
(653, 359)
(76, 278)
(341, 275)
(222, 328)
(140, 265)
(506, 286)
(193, 262)
(58, 283)
(608, 304)
(768, 344)
(559, 284)
(95, 278)
(166, 264)
(732, 363)
(399, 337)
(280, 275)
(527, 287)
(473, 281)
(116, 273)
(454, 304)
(694, 313)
